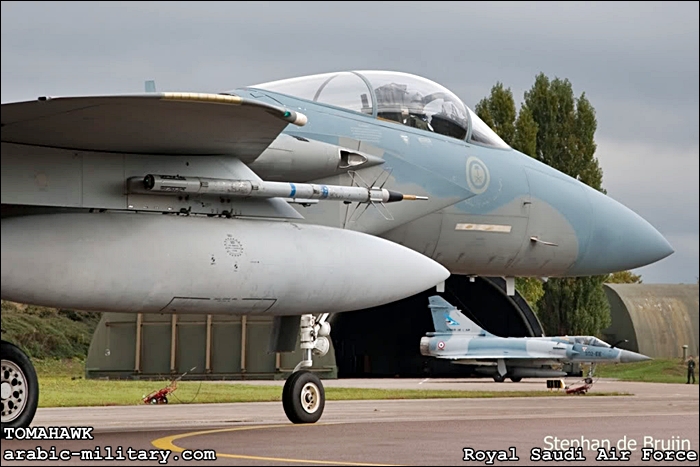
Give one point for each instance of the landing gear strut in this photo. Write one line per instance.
(303, 397)
(501, 371)
(19, 387)
(591, 371)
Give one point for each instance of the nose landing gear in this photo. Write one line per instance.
(303, 396)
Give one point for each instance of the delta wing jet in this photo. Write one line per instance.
(295, 198)
(459, 339)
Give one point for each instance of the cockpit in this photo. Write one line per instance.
(587, 340)
(393, 96)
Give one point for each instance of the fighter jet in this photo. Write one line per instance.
(459, 339)
(294, 198)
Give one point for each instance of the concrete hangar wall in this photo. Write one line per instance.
(657, 320)
(382, 341)
(128, 345)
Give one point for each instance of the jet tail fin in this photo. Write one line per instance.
(448, 318)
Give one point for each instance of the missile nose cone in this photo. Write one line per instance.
(627, 356)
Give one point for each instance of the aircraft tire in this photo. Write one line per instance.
(516, 379)
(20, 388)
(499, 378)
(303, 397)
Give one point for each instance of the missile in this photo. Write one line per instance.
(151, 263)
(176, 184)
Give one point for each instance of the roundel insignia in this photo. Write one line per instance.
(478, 176)
(441, 345)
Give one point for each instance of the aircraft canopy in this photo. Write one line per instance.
(590, 340)
(399, 97)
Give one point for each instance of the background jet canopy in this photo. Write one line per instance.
(585, 340)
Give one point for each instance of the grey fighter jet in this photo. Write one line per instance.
(293, 198)
(459, 339)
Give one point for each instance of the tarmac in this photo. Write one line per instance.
(390, 432)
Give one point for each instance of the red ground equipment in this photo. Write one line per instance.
(581, 388)
(161, 395)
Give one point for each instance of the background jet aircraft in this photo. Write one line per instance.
(325, 193)
(459, 339)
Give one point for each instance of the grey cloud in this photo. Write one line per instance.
(662, 188)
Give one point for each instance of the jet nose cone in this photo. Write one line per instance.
(619, 239)
(627, 356)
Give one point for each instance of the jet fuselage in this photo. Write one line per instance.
(492, 211)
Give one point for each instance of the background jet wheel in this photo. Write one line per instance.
(499, 378)
(19, 388)
(303, 397)
(515, 379)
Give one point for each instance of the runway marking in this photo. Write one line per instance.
(167, 442)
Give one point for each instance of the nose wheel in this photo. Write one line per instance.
(303, 396)
(19, 388)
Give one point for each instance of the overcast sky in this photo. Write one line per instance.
(637, 63)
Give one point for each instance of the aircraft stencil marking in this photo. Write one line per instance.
(233, 246)
(485, 227)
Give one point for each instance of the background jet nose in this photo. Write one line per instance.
(627, 356)
(619, 239)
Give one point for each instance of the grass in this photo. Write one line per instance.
(63, 392)
(653, 371)
(48, 332)
(61, 385)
